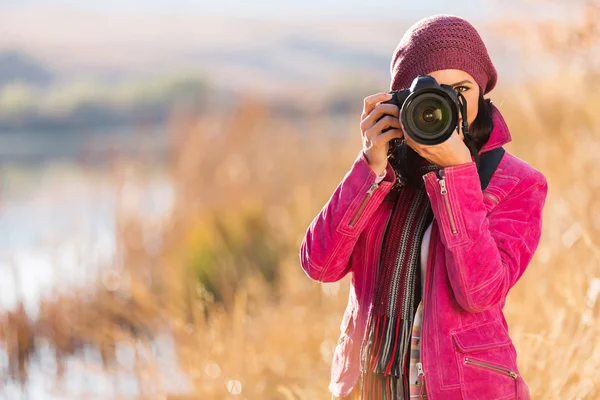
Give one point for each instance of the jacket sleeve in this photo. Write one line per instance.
(485, 254)
(330, 238)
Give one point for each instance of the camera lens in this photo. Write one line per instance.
(428, 117)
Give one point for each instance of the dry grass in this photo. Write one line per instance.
(271, 333)
(552, 312)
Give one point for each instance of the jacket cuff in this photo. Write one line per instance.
(454, 195)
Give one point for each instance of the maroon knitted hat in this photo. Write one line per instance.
(442, 42)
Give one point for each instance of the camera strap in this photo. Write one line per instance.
(488, 162)
(470, 143)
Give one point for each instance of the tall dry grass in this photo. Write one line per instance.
(283, 345)
(247, 184)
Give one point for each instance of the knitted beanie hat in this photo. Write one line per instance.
(442, 42)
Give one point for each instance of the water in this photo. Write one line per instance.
(97, 145)
(84, 382)
(57, 232)
(57, 216)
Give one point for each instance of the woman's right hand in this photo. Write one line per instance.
(376, 143)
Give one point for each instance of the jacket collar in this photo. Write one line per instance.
(500, 134)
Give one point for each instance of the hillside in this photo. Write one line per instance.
(16, 66)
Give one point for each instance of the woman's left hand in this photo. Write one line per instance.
(447, 154)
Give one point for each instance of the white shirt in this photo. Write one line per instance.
(380, 178)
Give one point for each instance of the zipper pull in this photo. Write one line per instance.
(372, 188)
(364, 202)
(444, 193)
(443, 186)
(420, 369)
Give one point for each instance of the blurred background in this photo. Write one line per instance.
(160, 162)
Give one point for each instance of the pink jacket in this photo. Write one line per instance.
(481, 243)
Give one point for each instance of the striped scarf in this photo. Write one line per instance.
(385, 352)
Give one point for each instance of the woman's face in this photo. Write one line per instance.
(463, 83)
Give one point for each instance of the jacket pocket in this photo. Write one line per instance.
(487, 335)
(486, 363)
(490, 199)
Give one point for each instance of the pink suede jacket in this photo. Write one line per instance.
(481, 243)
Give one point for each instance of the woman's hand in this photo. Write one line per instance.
(447, 154)
(376, 143)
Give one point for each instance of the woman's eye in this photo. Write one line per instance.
(461, 88)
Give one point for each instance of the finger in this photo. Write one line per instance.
(377, 113)
(371, 101)
(385, 122)
(385, 137)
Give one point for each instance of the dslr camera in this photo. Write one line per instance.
(429, 112)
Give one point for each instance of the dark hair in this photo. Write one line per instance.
(406, 161)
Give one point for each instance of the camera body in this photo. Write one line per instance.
(429, 112)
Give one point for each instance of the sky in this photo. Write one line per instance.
(114, 38)
(326, 9)
(282, 8)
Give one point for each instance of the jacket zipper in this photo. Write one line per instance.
(364, 203)
(444, 193)
(492, 367)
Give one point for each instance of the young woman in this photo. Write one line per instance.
(432, 254)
